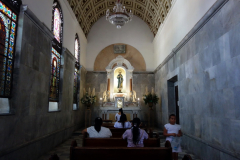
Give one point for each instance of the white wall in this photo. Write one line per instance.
(181, 19)
(135, 33)
(43, 10)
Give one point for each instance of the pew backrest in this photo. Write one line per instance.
(120, 153)
(117, 142)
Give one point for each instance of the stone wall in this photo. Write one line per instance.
(97, 80)
(30, 130)
(207, 69)
(141, 80)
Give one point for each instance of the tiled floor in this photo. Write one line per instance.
(63, 150)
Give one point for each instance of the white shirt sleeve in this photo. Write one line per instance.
(109, 132)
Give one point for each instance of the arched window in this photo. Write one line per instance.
(76, 73)
(8, 26)
(57, 28)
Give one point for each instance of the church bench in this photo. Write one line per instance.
(116, 142)
(120, 153)
(108, 125)
(118, 132)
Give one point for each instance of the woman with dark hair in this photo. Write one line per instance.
(135, 135)
(97, 131)
(118, 115)
(122, 123)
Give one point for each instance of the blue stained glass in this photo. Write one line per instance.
(5, 52)
(9, 62)
(7, 33)
(10, 49)
(10, 55)
(11, 43)
(13, 30)
(13, 25)
(12, 36)
(8, 21)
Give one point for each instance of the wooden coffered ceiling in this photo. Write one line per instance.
(153, 12)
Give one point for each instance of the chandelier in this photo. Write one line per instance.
(119, 16)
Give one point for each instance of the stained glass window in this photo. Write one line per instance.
(76, 72)
(8, 25)
(57, 24)
(57, 27)
(75, 88)
(55, 70)
(76, 50)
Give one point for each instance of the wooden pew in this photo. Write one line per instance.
(119, 153)
(108, 125)
(116, 142)
(118, 132)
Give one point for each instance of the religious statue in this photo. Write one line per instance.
(106, 96)
(134, 97)
(120, 81)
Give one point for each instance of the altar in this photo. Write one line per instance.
(119, 92)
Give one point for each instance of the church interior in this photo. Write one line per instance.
(65, 62)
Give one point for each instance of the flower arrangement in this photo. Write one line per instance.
(88, 99)
(150, 99)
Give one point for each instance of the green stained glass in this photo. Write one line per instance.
(14, 17)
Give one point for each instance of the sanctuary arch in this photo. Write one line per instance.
(132, 55)
(119, 91)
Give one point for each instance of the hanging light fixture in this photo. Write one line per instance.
(119, 16)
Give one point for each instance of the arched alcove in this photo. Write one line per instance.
(107, 55)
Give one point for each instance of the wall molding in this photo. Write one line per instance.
(233, 154)
(208, 15)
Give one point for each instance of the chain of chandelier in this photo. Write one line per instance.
(119, 16)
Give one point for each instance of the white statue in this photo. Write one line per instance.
(134, 96)
(105, 96)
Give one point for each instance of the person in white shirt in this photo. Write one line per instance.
(97, 131)
(123, 123)
(118, 115)
(172, 130)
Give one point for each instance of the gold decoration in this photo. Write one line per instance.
(153, 12)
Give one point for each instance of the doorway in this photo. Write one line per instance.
(173, 98)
